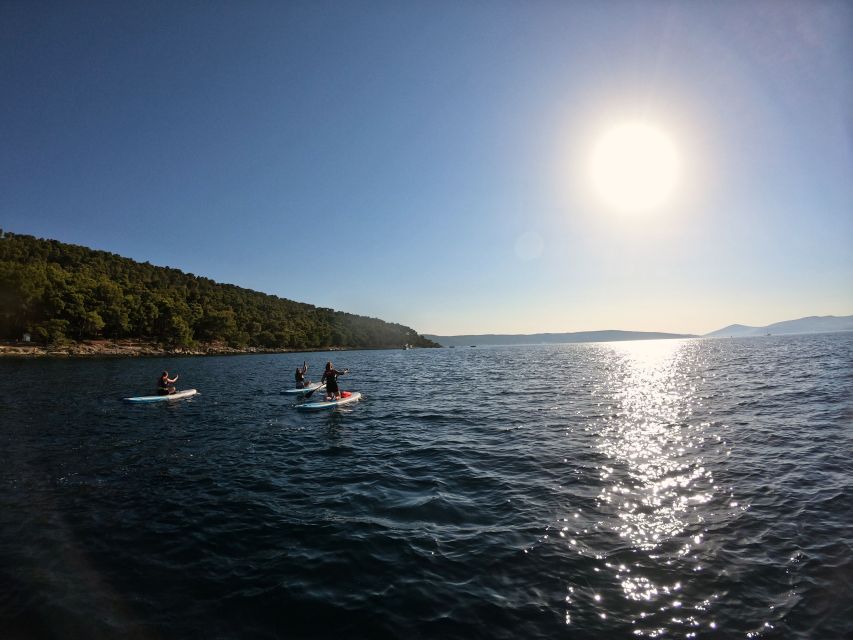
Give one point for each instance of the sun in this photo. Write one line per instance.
(634, 167)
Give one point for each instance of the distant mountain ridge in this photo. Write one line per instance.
(809, 324)
(551, 338)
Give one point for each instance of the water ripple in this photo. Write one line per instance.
(697, 488)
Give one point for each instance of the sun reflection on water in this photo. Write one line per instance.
(653, 441)
(652, 434)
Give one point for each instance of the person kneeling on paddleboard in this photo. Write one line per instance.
(164, 387)
(300, 376)
(330, 377)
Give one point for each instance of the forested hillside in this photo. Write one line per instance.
(57, 291)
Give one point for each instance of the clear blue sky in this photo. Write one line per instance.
(423, 162)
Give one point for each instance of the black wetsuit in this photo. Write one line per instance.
(330, 377)
(163, 386)
(300, 378)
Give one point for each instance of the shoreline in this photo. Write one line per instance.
(141, 349)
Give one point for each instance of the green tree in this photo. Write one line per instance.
(51, 331)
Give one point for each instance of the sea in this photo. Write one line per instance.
(695, 488)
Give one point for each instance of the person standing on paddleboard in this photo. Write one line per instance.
(300, 375)
(164, 387)
(330, 377)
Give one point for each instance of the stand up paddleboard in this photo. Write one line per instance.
(301, 392)
(346, 398)
(179, 395)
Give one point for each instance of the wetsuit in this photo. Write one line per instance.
(300, 378)
(163, 386)
(330, 377)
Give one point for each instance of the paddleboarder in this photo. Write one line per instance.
(164, 384)
(330, 377)
(300, 375)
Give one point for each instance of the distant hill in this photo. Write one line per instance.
(59, 292)
(810, 324)
(551, 338)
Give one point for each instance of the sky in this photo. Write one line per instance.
(428, 163)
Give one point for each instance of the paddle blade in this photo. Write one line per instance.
(311, 393)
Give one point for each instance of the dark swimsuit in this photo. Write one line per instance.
(162, 387)
(331, 379)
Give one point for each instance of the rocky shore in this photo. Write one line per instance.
(128, 348)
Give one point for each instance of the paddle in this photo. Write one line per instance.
(311, 393)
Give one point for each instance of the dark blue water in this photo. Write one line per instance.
(697, 488)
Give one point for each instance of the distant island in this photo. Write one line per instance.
(552, 338)
(82, 301)
(810, 324)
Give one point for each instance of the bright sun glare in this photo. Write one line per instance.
(634, 167)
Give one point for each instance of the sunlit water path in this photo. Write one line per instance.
(696, 488)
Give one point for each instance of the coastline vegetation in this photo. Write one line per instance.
(60, 293)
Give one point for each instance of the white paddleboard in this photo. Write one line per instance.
(300, 392)
(330, 404)
(178, 395)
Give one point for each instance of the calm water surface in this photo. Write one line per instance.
(675, 489)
